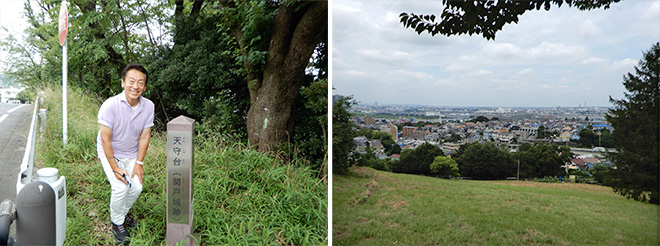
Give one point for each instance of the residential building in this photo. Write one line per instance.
(408, 131)
(9, 94)
(369, 121)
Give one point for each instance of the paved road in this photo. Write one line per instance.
(14, 127)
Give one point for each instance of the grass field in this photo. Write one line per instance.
(372, 207)
(241, 196)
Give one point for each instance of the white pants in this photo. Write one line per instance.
(122, 197)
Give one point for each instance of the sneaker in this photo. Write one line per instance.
(130, 222)
(120, 232)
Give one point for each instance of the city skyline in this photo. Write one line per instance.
(377, 103)
(562, 57)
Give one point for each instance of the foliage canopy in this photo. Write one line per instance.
(485, 17)
(636, 120)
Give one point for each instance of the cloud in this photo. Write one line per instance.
(589, 29)
(353, 73)
(525, 72)
(594, 61)
(556, 51)
(387, 57)
(554, 86)
(343, 8)
(649, 20)
(606, 65)
(502, 49)
(411, 74)
(444, 83)
(626, 64)
(536, 62)
(458, 67)
(482, 72)
(462, 64)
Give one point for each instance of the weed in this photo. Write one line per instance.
(240, 197)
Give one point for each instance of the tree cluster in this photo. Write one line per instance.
(417, 160)
(590, 138)
(254, 70)
(480, 119)
(542, 133)
(488, 161)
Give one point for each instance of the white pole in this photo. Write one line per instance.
(64, 92)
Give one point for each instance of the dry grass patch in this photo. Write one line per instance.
(393, 205)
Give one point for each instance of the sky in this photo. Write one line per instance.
(11, 18)
(562, 57)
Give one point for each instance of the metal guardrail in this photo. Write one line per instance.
(27, 165)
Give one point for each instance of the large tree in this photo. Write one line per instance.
(485, 17)
(276, 40)
(541, 160)
(342, 136)
(444, 167)
(485, 161)
(418, 160)
(636, 122)
(197, 75)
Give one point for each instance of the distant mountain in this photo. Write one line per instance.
(6, 81)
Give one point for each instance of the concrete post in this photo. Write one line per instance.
(180, 159)
(42, 123)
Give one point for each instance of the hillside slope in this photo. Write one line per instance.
(241, 196)
(380, 208)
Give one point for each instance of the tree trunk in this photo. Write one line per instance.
(295, 35)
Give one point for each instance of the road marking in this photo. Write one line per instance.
(4, 116)
(16, 108)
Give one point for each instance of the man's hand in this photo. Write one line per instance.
(138, 170)
(119, 174)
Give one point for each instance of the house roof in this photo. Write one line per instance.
(577, 161)
(376, 143)
(591, 160)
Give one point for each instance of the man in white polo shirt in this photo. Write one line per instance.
(125, 122)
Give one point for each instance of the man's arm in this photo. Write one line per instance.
(143, 145)
(106, 136)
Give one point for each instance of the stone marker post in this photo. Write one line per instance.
(180, 161)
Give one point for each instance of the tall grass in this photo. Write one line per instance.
(372, 207)
(241, 197)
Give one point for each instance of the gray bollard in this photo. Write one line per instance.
(35, 208)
